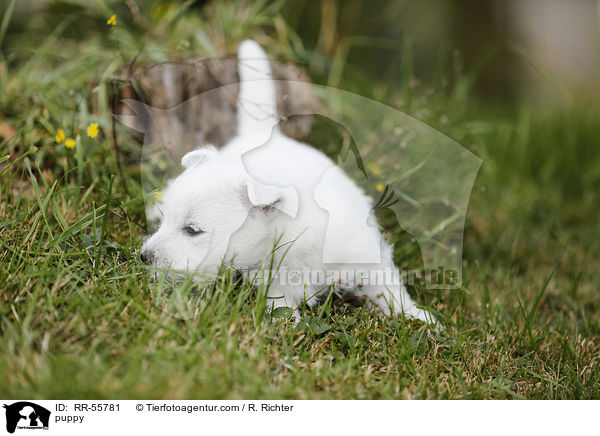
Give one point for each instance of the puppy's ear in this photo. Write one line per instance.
(199, 156)
(271, 197)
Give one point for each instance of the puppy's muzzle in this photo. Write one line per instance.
(147, 256)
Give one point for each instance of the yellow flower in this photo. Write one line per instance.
(112, 21)
(60, 135)
(380, 187)
(70, 143)
(374, 168)
(158, 195)
(92, 130)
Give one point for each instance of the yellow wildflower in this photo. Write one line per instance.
(60, 135)
(158, 195)
(112, 21)
(70, 143)
(92, 130)
(380, 187)
(374, 168)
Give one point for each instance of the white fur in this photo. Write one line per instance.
(263, 186)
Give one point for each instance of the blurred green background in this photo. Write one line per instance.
(547, 50)
(514, 81)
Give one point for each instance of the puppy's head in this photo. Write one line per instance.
(203, 207)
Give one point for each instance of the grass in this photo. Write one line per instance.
(77, 319)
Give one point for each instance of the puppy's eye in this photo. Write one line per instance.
(192, 230)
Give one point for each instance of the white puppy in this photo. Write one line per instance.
(232, 206)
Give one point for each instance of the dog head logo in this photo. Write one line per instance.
(26, 415)
(420, 174)
(429, 174)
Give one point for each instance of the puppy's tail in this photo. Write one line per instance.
(257, 105)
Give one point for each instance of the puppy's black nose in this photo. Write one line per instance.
(147, 257)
